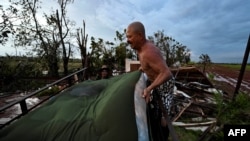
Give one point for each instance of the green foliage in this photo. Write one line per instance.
(172, 50)
(49, 92)
(233, 112)
(49, 40)
(211, 76)
(109, 53)
(10, 13)
(217, 136)
(227, 112)
(15, 74)
(204, 60)
(186, 135)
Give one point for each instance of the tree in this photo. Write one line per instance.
(108, 53)
(7, 21)
(96, 54)
(204, 60)
(172, 50)
(82, 39)
(120, 50)
(48, 40)
(62, 22)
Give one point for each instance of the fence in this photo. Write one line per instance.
(70, 79)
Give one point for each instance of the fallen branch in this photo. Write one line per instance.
(180, 113)
(182, 124)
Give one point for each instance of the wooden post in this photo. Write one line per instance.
(242, 70)
(23, 106)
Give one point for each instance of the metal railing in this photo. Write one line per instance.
(70, 79)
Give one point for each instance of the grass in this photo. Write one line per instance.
(186, 135)
(73, 65)
(235, 66)
(237, 111)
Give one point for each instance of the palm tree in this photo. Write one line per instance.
(204, 60)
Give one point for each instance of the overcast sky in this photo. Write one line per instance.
(217, 28)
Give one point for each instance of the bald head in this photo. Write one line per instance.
(137, 27)
(136, 35)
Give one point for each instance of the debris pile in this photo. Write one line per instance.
(194, 102)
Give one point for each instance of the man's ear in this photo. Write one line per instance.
(140, 33)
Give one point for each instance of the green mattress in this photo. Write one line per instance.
(101, 110)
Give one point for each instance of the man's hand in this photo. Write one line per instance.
(146, 95)
(140, 69)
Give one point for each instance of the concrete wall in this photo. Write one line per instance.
(131, 65)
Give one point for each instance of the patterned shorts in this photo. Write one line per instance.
(164, 93)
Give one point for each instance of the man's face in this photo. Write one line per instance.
(131, 38)
(104, 73)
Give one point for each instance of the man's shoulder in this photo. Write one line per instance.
(151, 48)
(150, 43)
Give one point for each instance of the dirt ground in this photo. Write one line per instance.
(226, 78)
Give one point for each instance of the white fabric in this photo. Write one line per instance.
(140, 110)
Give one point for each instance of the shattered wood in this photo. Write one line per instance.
(194, 100)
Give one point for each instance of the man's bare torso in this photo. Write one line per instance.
(149, 50)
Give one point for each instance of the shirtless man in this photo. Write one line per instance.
(152, 62)
(159, 90)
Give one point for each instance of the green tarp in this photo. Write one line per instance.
(101, 110)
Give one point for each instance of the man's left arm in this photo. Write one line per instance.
(158, 65)
(163, 75)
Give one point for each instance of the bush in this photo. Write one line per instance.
(236, 112)
(49, 92)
